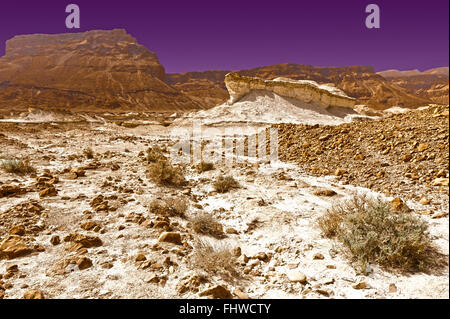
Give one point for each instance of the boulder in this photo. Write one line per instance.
(13, 247)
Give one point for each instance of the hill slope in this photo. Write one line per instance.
(91, 70)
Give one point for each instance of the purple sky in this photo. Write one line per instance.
(202, 35)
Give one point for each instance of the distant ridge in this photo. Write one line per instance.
(432, 84)
(396, 73)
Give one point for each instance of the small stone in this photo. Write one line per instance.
(262, 256)
(325, 192)
(12, 269)
(440, 182)
(323, 292)
(422, 147)
(170, 237)
(318, 256)
(72, 175)
(13, 247)
(79, 171)
(161, 224)
(88, 225)
(296, 276)
(439, 215)
(17, 230)
(151, 278)
(398, 205)
(424, 201)
(340, 172)
(6, 190)
(33, 294)
(55, 240)
(8, 285)
(48, 192)
(406, 157)
(217, 292)
(324, 137)
(392, 288)
(107, 265)
(84, 263)
(360, 285)
(231, 230)
(140, 257)
(80, 241)
(240, 294)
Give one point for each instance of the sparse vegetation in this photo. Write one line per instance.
(206, 224)
(223, 184)
(17, 166)
(88, 153)
(372, 233)
(204, 167)
(170, 206)
(164, 173)
(214, 259)
(154, 154)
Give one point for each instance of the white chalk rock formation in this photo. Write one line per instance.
(303, 90)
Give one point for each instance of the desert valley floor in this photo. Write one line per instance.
(82, 225)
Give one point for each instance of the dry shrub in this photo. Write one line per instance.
(204, 167)
(155, 154)
(16, 166)
(224, 183)
(206, 224)
(372, 233)
(170, 206)
(88, 153)
(214, 259)
(164, 173)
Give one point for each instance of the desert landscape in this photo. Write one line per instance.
(308, 182)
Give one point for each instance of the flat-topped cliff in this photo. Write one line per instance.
(89, 70)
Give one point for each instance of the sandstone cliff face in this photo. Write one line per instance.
(306, 91)
(90, 70)
(360, 82)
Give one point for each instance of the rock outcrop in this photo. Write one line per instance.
(262, 102)
(360, 82)
(93, 70)
(306, 91)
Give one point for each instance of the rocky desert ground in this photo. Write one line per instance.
(89, 222)
(95, 202)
